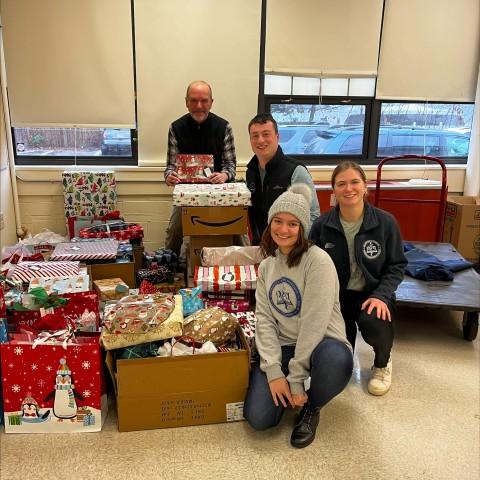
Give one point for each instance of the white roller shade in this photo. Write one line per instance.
(69, 62)
(429, 50)
(178, 42)
(336, 38)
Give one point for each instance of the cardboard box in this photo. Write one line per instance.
(138, 256)
(214, 220)
(166, 392)
(462, 225)
(123, 270)
(198, 242)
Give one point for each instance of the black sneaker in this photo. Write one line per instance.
(304, 432)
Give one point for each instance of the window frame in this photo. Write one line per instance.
(72, 160)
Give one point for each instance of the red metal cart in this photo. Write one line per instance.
(414, 213)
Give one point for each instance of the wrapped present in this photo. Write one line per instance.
(89, 193)
(81, 310)
(248, 322)
(211, 324)
(155, 275)
(59, 285)
(111, 288)
(231, 255)
(135, 320)
(25, 271)
(118, 230)
(229, 305)
(85, 251)
(210, 195)
(46, 383)
(3, 305)
(77, 222)
(161, 256)
(3, 330)
(194, 168)
(192, 300)
(218, 278)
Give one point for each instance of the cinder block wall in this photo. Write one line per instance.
(144, 198)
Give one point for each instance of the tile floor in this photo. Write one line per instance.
(426, 427)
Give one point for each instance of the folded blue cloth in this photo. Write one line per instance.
(424, 266)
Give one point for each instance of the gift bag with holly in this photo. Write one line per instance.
(51, 382)
(79, 310)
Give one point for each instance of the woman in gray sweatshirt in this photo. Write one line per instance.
(300, 333)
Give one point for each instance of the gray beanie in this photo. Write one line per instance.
(296, 201)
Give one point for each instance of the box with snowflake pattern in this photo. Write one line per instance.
(53, 386)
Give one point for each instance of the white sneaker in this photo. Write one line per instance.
(381, 379)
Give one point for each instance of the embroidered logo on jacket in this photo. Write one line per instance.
(285, 297)
(372, 249)
(329, 245)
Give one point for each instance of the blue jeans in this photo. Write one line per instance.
(331, 368)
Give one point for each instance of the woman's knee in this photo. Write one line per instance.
(259, 417)
(332, 351)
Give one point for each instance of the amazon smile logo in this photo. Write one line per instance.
(195, 219)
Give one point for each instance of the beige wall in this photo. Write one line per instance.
(143, 197)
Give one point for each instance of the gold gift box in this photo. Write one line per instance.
(111, 288)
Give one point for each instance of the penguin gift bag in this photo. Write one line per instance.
(53, 386)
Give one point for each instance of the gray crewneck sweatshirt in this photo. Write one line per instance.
(296, 306)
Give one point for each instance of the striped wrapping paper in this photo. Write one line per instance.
(25, 271)
(105, 249)
(219, 278)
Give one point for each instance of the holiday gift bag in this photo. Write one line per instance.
(232, 255)
(218, 278)
(53, 386)
(140, 319)
(81, 311)
(211, 324)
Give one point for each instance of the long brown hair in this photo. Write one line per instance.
(269, 247)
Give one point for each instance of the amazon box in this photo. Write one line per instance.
(462, 225)
(164, 392)
(214, 220)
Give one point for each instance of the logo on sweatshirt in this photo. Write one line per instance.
(285, 297)
(372, 249)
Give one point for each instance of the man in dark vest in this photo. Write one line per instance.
(270, 173)
(198, 132)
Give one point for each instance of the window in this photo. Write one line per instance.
(319, 129)
(437, 129)
(74, 146)
(309, 129)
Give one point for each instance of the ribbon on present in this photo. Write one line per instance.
(39, 298)
(64, 337)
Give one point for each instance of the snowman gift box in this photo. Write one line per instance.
(52, 386)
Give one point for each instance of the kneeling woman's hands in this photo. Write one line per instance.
(382, 310)
(280, 390)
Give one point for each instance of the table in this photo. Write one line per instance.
(462, 294)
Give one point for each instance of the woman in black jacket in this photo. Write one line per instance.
(365, 245)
